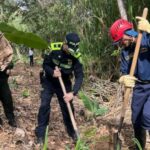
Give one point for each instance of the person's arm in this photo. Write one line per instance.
(146, 39)
(124, 66)
(47, 63)
(144, 25)
(78, 72)
(126, 79)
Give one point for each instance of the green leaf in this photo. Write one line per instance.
(92, 106)
(115, 53)
(25, 93)
(81, 145)
(5, 28)
(137, 143)
(19, 37)
(101, 111)
(87, 102)
(46, 140)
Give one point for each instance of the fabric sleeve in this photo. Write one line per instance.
(146, 39)
(47, 65)
(78, 72)
(124, 67)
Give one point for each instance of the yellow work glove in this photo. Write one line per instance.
(128, 81)
(143, 24)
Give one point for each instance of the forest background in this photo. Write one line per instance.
(91, 19)
(52, 20)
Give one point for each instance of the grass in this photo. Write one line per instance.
(45, 146)
(137, 143)
(92, 105)
(81, 145)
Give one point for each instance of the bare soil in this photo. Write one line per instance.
(96, 132)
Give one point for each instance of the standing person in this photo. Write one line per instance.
(6, 65)
(125, 36)
(68, 60)
(31, 54)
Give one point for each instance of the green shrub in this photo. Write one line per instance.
(92, 106)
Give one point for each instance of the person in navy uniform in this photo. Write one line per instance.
(125, 36)
(68, 60)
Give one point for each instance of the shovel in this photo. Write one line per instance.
(69, 108)
(117, 140)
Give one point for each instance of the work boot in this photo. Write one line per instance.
(140, 135)
(40, 140)
(12, 123)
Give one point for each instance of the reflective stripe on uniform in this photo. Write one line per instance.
(74, 44)
(77, 55)
(66, 66)
(57, 62)
(56, 46)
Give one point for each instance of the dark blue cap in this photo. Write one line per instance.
(72, 40)
(72, 37)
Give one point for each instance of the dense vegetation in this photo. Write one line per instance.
(52, 19)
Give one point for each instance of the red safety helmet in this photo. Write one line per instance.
(118, 28)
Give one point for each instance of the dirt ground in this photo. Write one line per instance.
(96, 132)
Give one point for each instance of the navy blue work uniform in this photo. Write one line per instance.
(5, 95)
(141, 92)
(68, 65)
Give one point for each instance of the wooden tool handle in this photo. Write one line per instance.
(69, 107)
(137, 47)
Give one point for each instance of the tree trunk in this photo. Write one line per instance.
(122, 10)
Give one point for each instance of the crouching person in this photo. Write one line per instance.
(68, 61)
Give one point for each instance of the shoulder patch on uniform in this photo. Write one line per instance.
(56, 46)
(129, 57)
(143, 50)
